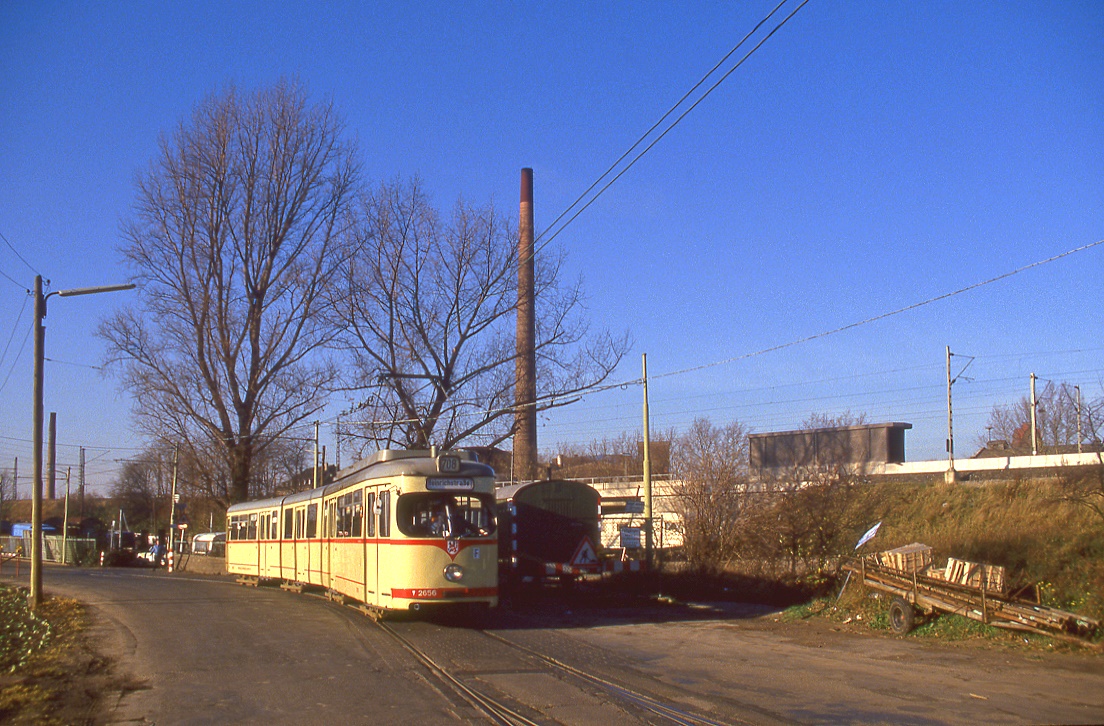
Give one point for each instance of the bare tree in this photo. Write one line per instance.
(1056, 419)
(818, 420)
(7, 491)
(143, 489)
(236, 234)
(809, 514)
(710, 466)
(427, 311)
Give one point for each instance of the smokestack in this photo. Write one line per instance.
(525, 392)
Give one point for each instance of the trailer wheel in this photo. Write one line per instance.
(901, 616)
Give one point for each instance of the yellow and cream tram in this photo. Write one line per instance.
(397, 531)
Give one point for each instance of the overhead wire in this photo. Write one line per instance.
(674, 123)
(18, 355)
(656, 125)
(882, 316)
(16, 252)
(11, 337)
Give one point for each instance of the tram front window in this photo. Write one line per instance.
(445, 515)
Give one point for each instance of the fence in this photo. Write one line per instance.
(77, 550)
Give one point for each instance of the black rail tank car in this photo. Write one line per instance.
(548, 530)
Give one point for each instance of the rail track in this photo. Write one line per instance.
(654, 710)
(496, 710)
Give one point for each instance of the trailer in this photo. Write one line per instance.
(918, 589)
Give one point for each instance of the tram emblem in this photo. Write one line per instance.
(453, 548)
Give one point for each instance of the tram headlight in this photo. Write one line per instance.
(454, 573)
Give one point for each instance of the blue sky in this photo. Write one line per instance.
(868, 157)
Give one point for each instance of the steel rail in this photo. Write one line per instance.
(493, 709)
(670, 713)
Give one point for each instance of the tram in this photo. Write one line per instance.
(398, 531)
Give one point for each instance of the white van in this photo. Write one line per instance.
(209, 543)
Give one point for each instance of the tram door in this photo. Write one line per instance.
(371, 549)
(300, 545)
(328, 529)
(262, 545)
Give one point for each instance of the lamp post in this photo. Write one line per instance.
(36, 483)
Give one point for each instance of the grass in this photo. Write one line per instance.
(22, 633)
(41, 655)
(1027, 527)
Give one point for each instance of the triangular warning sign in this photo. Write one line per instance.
(584, 554)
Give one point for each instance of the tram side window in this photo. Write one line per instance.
(288, 519)
(312, 521)
(370, 503)
(274, 528)
(350, 514)
(251, 527)
(356, 513)
(385, 514)
(299, 523)
(237, 527)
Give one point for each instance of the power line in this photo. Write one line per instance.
(14, 329)
(17, 357)
(13, 280)
(667, 130)
(70, 363)
(10, 247)
(883, 316)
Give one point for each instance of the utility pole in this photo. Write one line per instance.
(648, 543)
(1078, 389)
(35, 597)
(1034, 423)
(172, 506)
(15, 480)
(65, 521)
(950, 475)
(36, 482)
(81, 488)
(316, 485)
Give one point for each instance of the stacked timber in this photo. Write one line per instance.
(913, 557)
(973, 574)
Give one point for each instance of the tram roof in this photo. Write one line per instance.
(381, 464)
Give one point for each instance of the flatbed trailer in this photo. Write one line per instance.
(915, 590)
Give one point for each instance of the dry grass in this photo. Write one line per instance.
(50, 674)
(1027, 527)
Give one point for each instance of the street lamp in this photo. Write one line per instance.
(39, 358)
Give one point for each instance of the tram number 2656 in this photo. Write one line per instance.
(426, 593)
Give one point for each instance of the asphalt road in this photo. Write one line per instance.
(208, 651)
(204, 650)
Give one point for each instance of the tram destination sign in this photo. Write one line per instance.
(450, 484)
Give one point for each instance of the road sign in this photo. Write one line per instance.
(634, 507)
(630, 537)
(584, 554)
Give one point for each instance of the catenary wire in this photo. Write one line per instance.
(667, 130)
(656, 125)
